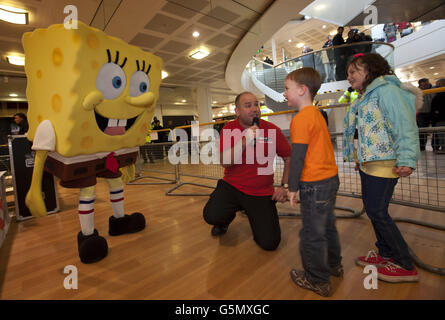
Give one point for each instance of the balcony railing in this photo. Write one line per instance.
(330, 62)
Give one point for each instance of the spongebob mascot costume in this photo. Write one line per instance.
(91, 99)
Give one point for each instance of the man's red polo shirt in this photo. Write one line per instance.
(245, 176)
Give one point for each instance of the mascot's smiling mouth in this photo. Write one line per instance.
(114, 127)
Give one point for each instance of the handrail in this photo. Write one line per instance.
(433, 90)
(342, 105)
(324, 49)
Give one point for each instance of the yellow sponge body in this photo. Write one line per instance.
(63, 68)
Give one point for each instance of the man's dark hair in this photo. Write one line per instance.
(423, 80)
(440, 83)
(21, 115)
(238, 97)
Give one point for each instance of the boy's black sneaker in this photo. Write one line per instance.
(337, 271)
(323, 289)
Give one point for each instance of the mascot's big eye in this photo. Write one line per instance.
(139, 84)
(111, 80)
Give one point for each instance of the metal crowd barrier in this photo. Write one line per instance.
(425, 188)
(155, 154)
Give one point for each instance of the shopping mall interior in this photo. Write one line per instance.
(211, 51)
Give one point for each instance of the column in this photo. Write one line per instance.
(274, 51)
(204, 105)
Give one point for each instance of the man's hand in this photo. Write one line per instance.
(292, 199)
(280, 194)
(402, 171)
(251, 135)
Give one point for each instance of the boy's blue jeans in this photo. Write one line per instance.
(319, 243)
(376, 194)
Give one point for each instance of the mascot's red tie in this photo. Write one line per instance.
(111, 163)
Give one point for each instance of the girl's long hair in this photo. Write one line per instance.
(374, 64)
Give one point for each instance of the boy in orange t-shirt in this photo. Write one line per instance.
(314, 172)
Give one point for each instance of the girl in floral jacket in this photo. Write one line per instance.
(388, 148)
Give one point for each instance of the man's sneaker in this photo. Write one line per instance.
(322, 288)
(219, 230)
(372, 258)
(394, 273)
(337, 271)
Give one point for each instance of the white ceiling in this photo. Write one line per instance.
(163, 27)
(432, 69)
(310, 32)
(337, 12)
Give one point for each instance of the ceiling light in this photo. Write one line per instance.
(300, 45)
(13, 95)
(13, 15)
(164, 74)
(183, 100)
(289, 40)
(324, 26)
(199, 54)
(431, 68)
(16, 60)
(215, 101)
(219, 114)
(195, 34)
(436, 73)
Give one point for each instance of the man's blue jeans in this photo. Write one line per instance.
(376, 194)
(319, 243)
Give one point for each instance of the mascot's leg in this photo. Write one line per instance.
(92, 247)
(121, 223)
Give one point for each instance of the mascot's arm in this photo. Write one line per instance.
(34, 200)
(44, 142)
(128, 173)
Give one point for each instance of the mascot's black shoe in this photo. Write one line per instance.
(92, 248)
(127, 224)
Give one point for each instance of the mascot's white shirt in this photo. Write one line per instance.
(45, 139)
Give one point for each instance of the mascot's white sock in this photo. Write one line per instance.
(117, 196)
(86, 210)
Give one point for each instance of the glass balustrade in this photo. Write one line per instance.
(330, 62)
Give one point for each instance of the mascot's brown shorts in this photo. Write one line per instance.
(83, 174)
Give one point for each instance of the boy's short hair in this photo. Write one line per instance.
(309, 77)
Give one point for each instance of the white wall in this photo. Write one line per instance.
(426, 43)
